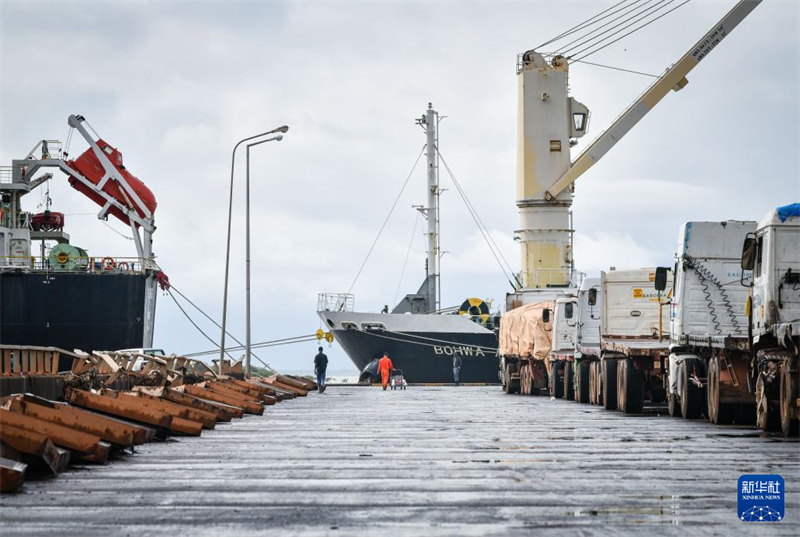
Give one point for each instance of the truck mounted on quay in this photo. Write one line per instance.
(709, 348)
(772, 253)
(735, 321)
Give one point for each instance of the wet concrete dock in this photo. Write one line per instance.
(426, 461)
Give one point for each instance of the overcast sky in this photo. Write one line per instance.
(174, 85)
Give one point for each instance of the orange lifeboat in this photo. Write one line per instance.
(88, 165)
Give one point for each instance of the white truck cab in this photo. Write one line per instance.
(590, 303)
(773, 252)
(565, 323)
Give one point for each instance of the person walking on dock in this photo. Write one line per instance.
(457, 362)
(320, 366)
(385, 367)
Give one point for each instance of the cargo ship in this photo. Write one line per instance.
(419, 336)
(54, 293)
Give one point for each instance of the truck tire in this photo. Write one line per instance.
(569, 381)
(594, 381)
(609, 396)
(582, 382)
(509, 385)
(718, 412)
(789, 418)
(673, 405)
(691, 402)
(555, 380)
(630, 388)
(767, 416)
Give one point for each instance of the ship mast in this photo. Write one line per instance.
(430, 122)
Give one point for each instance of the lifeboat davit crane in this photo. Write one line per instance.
(99, 174)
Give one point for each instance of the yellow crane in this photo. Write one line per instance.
(549, 123)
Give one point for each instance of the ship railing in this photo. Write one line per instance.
(76, 264)
(550, 277)
(336, 302)
(6, 174)
(51, 149)
(15, 219)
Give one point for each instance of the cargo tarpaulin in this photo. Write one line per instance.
(524, 333)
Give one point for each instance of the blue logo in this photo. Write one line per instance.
(761, 498)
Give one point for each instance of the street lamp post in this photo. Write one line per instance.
(277, 138)
(282, 129)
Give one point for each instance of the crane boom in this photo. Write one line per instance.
(673, 79)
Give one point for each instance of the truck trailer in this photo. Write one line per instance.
(629, 364)
(524, 344)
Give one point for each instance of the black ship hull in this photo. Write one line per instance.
(426, 357)
(73, 311)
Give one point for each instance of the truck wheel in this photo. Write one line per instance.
(569, 381)
(767, 416)
(630, 388)
(556, 380)
(525, 380)
(509, 386)
(718, 412)
(609, 384)
(691, 402)
(789, 418)
(582, 382)
(673, 405)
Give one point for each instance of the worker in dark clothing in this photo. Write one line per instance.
(456, 367)
(320, 366)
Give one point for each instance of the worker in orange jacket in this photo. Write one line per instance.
(385, 367)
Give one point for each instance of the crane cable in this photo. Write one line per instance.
(634, 12)
(616, 68)
(634, 30)
(584, 24)
(380, 231)
(635, 18)
(482, 227)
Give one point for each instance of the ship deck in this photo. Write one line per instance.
(425, 461)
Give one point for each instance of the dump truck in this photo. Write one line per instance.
(709, 358)
(587, 337)
(629, 365)
(772, 253)
(524, 344)
(562, 353)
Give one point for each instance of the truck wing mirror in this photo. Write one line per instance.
(592, 298)
(661, 278)
(546, 315)
(749, 253)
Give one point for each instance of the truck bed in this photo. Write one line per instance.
(635, 346)
(589, 350)
(717, 342)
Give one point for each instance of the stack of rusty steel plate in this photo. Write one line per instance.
(165, 396)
